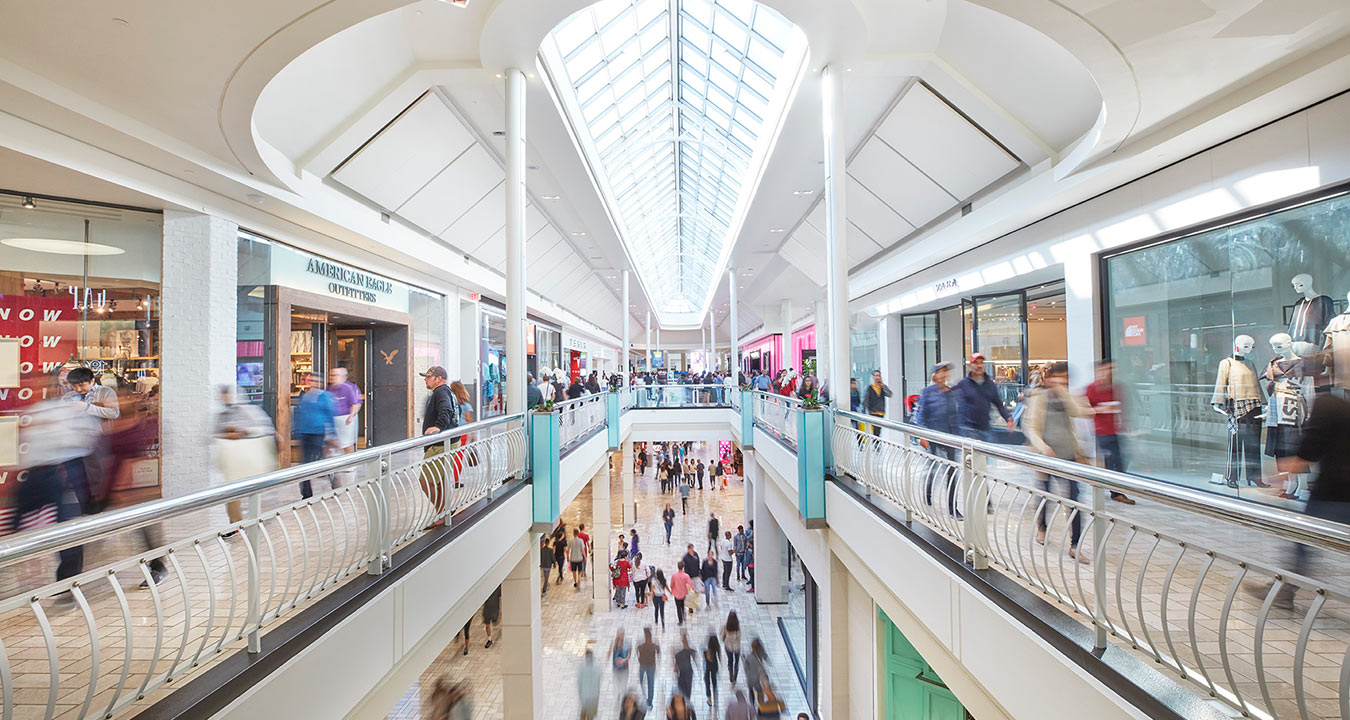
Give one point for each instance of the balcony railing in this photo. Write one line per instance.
(92, 645)
(578, 418)
(778, 415)
(646, 397)
(1173, 584)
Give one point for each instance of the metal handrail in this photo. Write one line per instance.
(1276, 521)
(83, 530)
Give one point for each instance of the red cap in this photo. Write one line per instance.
(976, 356)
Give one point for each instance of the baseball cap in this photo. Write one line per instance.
(435, 371)
(939, 366)
(974, 357)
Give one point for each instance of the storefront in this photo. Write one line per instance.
(80, 287)
(491, 361)
(576, 357)
(804, 350)
(1223, 337)
(763, 355)
(300, 313)
(543, 348)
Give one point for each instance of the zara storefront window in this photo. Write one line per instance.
(1222, 340)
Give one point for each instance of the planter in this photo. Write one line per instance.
(811, 462)
(544, 470)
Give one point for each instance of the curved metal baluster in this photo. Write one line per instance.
(210, 602)
(1120, 574)
(7, 684)
(234, 587)
(159, 628)
(1259, 642)
(300, 590)
(89, 624)
(1162, 608)
(1224, 614)
(187, 612)
(1139, 599)
(130, 643)
(1022, 551)
(1104, 556)
(1066, 541)
(318, 551)
(272, 573)
(1042, 506)
(348, 528)
(1195, 639)
(53, 662)
(1301, 652)
(330, 545)
(1084, 606)
(290, 564)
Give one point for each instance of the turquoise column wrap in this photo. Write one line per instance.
(544, 464)
(747, 419)
(811, 467)
(612, 419)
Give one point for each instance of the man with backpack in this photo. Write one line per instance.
(441, 413)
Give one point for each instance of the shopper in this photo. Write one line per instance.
(938, 411)
(642, 575)
(620, 653)
(684, 495)
(684, 667)
(874, 399)
(619, 571)
(245, 444)
(533, 396)
(659, 593)
(349, 400)
(739, 545)
(727, 553)
(576, 389)
(698, 472)
(668, 517)
(731, 643)
(712, 661)
(631, 707)
(976, 395)
(1048, 424)
(680, 585)
(633, 548)
(312, 424)
(545, 563)
(647, 653)
(492, 613)
(754, 665)
(588, 686)
(560, 550)
(739, 708)
(440, 413)
(1102, 396)
(576, 557)
(679, 708)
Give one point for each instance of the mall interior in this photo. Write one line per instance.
(446, 358)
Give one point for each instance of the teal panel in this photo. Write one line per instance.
(747, 419)
(544, 468)
(612, 420)
(912, 689)
(811, 466)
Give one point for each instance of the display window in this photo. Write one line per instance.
(1223, 338)
(492, 358)
(80, 288)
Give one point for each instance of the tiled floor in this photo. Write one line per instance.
(569, 626)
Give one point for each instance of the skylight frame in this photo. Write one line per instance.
(676, 212)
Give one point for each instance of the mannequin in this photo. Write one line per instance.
(1237, 396)
(1287, 385)
(1337, 345)
(1311, 314)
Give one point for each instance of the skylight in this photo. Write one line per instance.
(676, 134)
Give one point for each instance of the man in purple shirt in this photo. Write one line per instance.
(349, 400)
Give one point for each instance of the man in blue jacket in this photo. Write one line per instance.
(975, 395)
(938, 410)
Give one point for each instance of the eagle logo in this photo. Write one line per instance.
(389, 356)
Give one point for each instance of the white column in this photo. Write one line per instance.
(522, 644)
(768, 538)
(824, 371)
(712, 336)
(836, 238)
(735, 333)
(1081, 313)
(626, 472)
(648, 346)
(658, 345)
(602, 539)
(627, 319)
(833, 637)
(703, 342)
(892, 370)
(199, 289)
(515, 240)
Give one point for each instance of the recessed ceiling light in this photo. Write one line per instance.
(120, 21)
(28, 202)
(578, 234)
(256, 198)
(777, 230)
(61, 247)
(800, 193)
(551, 197)
(532, 167)
(499, 133)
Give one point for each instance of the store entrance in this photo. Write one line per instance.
(318, 334)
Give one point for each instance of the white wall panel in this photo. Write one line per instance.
(486, 217)
(456, 189)
(898, 184)
(406, 154)
(874, 217)
(943, 144)
(1328, 140)
(808, 261)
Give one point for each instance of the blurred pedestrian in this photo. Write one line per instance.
(712, 661)
(659, 591)
(1048, 425)
(684, 494)
(647, 652)
(1102, 396)
(679, 708)
(631, 707)
(684, 666)
(731, 643)
(620, 652)
(874, 399)
(680, 585)
(939, 410)
(492, 613)
(668, 518)
(739, 708)
(588, 686)
(245, 444)
(349, 400)
(312, 424)
(714, 531)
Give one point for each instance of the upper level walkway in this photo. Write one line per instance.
(1178, 606)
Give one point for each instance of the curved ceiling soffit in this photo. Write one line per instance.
(516, 29)
(269, 58)
(1105, 63)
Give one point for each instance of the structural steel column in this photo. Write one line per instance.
(735, 367)
(836, 238)
(648, 346)
(623, 350)
(522, 644)
(515, 240)
(602, 539)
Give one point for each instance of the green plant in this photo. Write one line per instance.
(811, 402)
(543, 407)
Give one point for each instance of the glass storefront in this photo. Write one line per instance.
(865, 349)
(547, 352)
(80, 287)
(1222, 339)
(492, 359)
(919, 336)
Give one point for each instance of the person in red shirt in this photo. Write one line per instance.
(619, 571)
(680, 585)
(1101, 395)
(581, 533)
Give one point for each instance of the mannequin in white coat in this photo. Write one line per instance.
(1311, 314)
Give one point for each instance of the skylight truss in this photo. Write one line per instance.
(675, 105)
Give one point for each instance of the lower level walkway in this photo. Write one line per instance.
(570, 627)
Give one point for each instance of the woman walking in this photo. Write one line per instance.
(619, 654)
(754, 665)
(708, 573)
(657, 587)
(668, 515)
(641, 577)
(1048, 425)
(679, 709)
(712, 660)
(731, 643)
(560, 550)
(684, 666)
(619, 571)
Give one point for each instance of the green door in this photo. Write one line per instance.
(913, 690)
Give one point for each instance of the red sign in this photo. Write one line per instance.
(48, 331)
(474, 297)
(1135, 332)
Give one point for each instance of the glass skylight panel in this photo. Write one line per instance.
(675, 130)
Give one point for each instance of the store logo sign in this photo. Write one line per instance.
(1135, 331)
(946, 287)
